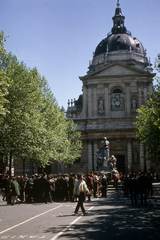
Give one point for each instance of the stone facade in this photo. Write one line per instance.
(117, 83)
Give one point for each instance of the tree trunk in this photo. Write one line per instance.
(23, 167)
(10, 163)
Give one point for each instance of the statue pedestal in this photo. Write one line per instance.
(105, 163)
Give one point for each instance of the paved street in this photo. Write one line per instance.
(110, 218)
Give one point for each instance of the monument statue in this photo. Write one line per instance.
(112, 162)
(99, 160)
(103, 160)
(105, 151)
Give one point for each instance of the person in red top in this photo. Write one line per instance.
(115, 181)
(91, 177)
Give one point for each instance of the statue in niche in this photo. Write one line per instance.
(117, 102)
(133, 104)
(100, 106)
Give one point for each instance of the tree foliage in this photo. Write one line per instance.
(33, 127)
(148, 120)
(3, 76)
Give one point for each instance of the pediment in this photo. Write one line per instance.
(117, 69)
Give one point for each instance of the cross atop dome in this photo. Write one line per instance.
(118, 3)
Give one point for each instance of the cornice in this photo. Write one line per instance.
(140, 72)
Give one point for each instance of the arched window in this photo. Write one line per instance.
(117, 90)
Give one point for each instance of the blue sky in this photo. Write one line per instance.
(59, 36)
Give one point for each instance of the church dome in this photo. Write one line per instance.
(119, 38)
(119, 41)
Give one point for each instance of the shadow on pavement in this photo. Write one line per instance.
(115, 218)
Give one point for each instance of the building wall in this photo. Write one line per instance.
(111, 95)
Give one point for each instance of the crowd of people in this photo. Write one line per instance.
(139, 185)
(40, 188)
(43, 188)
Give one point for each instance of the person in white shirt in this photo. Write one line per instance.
(80, 190)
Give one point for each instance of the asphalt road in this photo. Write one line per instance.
(110, 218)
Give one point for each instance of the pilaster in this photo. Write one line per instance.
(89, 155)
(85, 97)
(95, 105)
(128, 102)
(106, 99)
(129, 155)
(95, 151)
(89, 100)
(141, 157)
(145, 94)
(140, 85)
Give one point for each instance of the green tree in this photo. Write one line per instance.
(148, 120)
(33, 126)
(22, 125)
(63, 140)
(3, 76)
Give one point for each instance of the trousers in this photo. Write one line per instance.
(81, 199)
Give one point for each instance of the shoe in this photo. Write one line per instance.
(75, 212)
(85, 213)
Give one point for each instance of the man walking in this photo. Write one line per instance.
(80, 189)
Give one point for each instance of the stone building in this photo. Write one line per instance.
(117, 83)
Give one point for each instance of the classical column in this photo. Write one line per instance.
(128, 100)
(85, 100)
(89, 155)
(95, 151)
(145, 94)
(141, 157)
(140, 84)
(129, 154)
(95, 103)
(106, 99)
(89, 100)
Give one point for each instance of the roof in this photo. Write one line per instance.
(119, 41)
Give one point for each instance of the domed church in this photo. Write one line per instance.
(116, 84)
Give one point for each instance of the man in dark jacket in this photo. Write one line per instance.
(71, 186)
(47, 195)
(133, 188)
(6, 185)
(104, 186)
(142, 184)
(88, 182)
(36, 188)
(42, 186)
